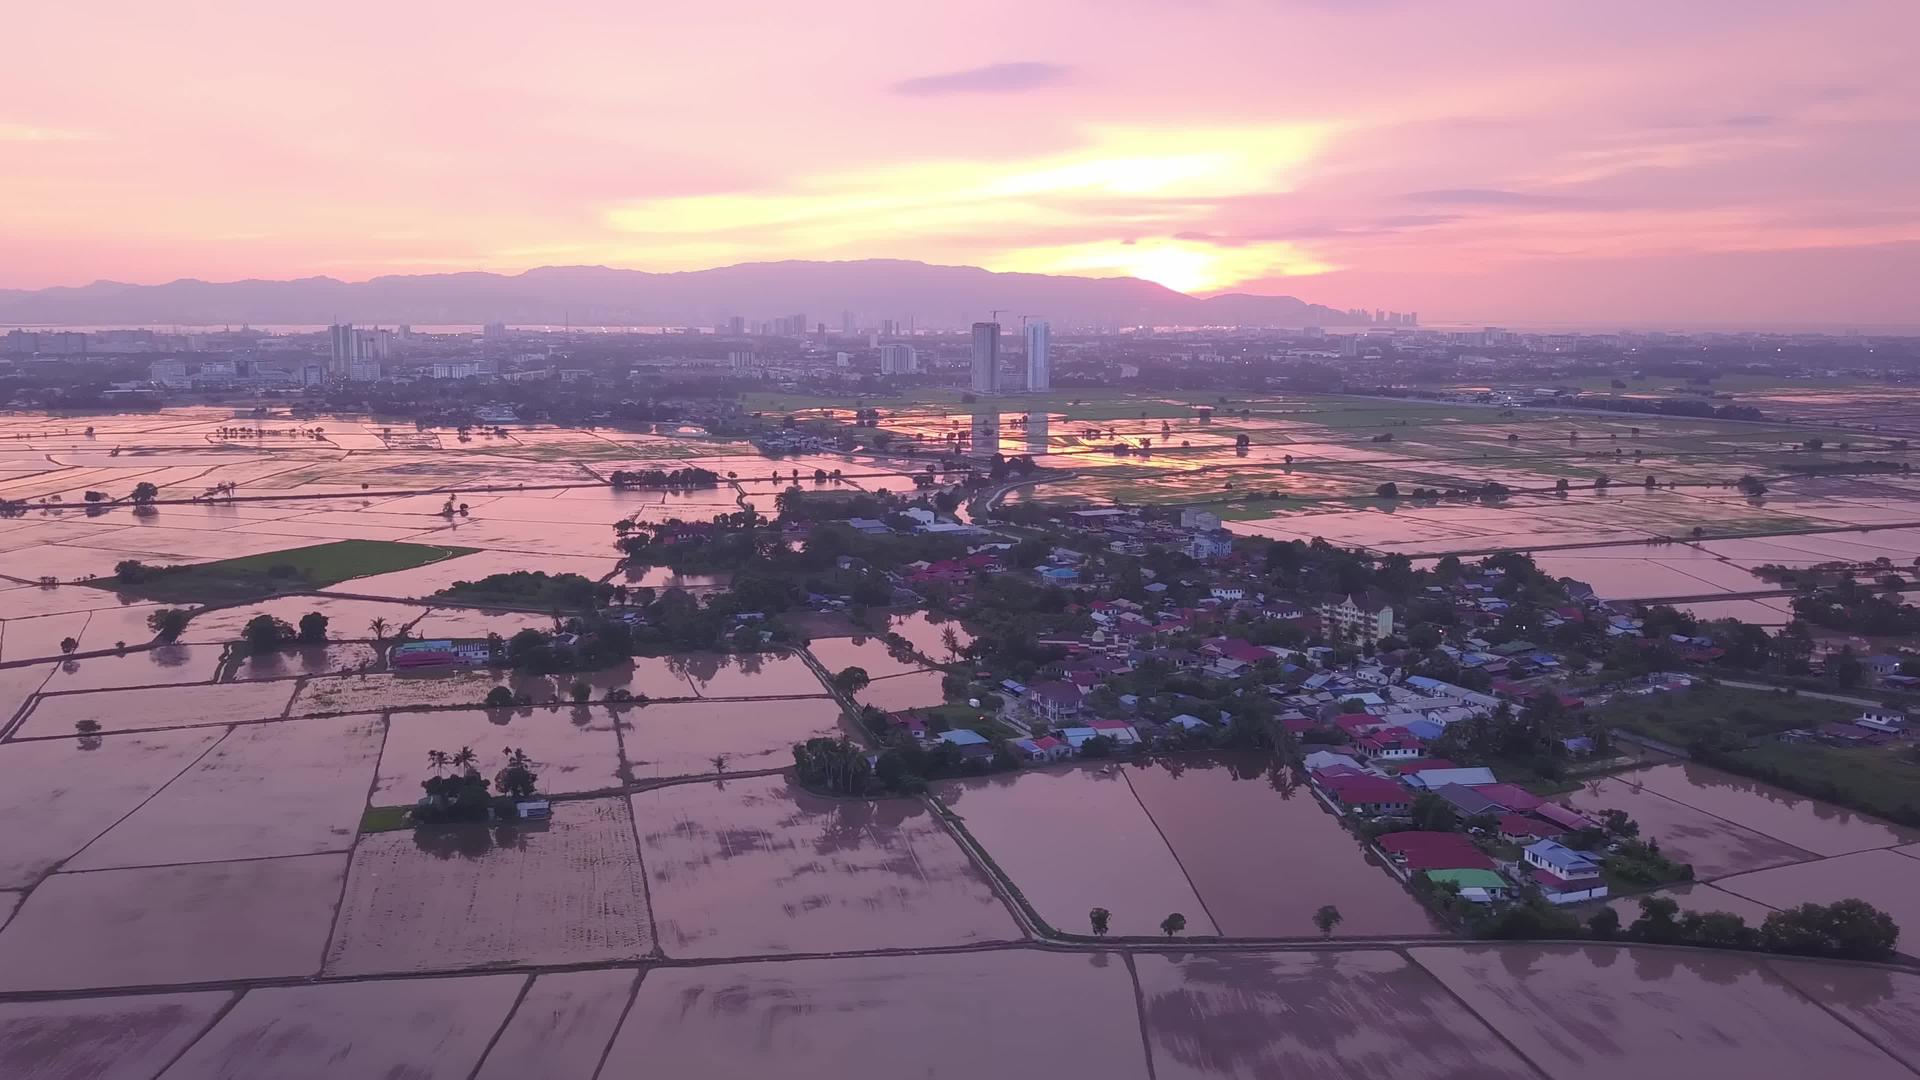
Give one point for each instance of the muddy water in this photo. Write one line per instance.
(1011, 1015)
(927, 631)
(867, 653)
(109, 1038)
(470, 623)
(173, 924)
(1600, 1013)
(461, 896)
(346, 619)
(1325, 1015)
(573, 747)
(158, 707)
(163, 664)
(685, 738)
(293, 787)
(1885, 1004)
(1886, 879)
(912, 691)
(1792, 819)
(1694, 897)
(1073, 839)
(1268, 882)
(746, 674)
(561, 1027)
(306, 660)
(756, 866)
(31, 639)
(1714, 847)
(421, 1029)
(74, 789)
(17, 685)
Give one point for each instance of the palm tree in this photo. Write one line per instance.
(438, 759)
(465, 758)
(379, 628)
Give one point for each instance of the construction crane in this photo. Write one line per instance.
(1023, 325)
(994, 313)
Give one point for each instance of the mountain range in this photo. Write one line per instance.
(873, 289)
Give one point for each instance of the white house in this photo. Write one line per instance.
(1886, 723)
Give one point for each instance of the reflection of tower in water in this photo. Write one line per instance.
(986, 433)
(1037, 433)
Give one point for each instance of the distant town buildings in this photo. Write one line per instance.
(986, 358)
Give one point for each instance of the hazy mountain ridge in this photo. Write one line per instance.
(873, 289)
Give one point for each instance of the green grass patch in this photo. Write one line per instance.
(1720, 715)
(295, 570)
(1879, 780)
(378, 819)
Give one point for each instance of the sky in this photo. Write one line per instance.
(1627, 161)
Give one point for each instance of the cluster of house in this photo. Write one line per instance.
(1364, 784)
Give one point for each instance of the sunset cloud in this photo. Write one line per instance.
(991, 79)
(1208, 146)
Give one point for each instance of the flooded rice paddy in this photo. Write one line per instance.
(1268, 880)
(105, 1038)
(757, 866)
(914, 690)
(421, 1029)
(158, 707)
(201, 922)
(1793, 819)
(870, 654)
(75, 789)
(1886, 879)
(265, 790)
(1073, 839)
(689, 738)
(336, 659)
(1015, 1015)
(1713, 846)
(161, 665)
(1599, 1013)
(566, 891)
(562, 1026)
(1332, 1015)
(573, 747)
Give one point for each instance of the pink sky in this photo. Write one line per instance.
(1545, 160)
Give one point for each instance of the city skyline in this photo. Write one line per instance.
(1481, 160)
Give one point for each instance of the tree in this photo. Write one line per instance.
(1326, 919)
(145, 492)
(264, 633)
(1845, 929)
(499, 698)
(464, 759)
(379, 628)
(1605, 924)
(68, 645)
(1431, 813)
(852, 680)
(1388, 490)
(313, 628)
(1173, 924)
(518, 778)
(580, 691)
(168, 624)
(1098, 917)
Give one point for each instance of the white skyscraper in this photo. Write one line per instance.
(899, 360)
(986, 358)
(1039, 365)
